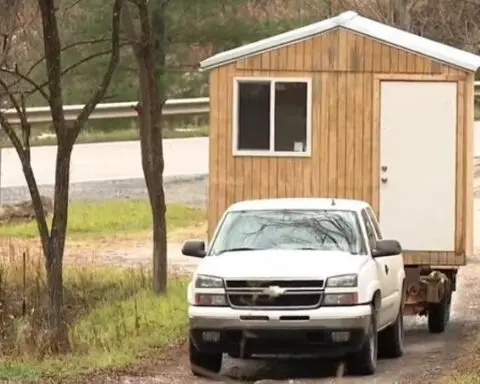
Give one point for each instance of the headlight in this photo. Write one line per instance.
(343, 281)
(203, 281)
(340, 299)
(210, 300)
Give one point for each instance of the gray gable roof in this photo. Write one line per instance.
(352, 21)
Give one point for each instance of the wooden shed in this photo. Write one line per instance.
(349, 107)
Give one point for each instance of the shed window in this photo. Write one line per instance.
(272, 117)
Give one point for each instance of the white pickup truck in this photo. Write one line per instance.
(296, 276)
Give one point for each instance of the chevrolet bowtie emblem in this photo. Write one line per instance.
(274, 291)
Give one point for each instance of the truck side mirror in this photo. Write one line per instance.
(386, 248)
(194, 248)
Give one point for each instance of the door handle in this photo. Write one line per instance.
(386, 268)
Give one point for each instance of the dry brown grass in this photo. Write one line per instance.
(111, 312)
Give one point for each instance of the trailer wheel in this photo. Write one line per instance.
(439, 314)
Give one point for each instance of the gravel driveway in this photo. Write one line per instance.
(427, 356)
(180, 189)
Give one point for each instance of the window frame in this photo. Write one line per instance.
(271, 152)
(374, 222)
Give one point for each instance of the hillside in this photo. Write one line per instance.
(198, 29)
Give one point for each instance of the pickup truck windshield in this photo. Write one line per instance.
(324, 230)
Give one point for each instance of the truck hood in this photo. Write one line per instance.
(276, 263)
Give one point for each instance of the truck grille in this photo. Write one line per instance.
(263, 301)
(297, 294)
(318, 284)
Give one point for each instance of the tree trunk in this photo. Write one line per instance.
(159, 241)
(54, 258)
(150, 114)
(58, 331)
(150, 56)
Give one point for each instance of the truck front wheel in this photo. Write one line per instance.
(390, 340)
(439, 314)
(202, 363)
(364, 362)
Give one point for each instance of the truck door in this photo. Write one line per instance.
(384, 271)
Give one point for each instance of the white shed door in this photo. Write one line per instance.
(417, 164)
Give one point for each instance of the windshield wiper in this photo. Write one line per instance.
(238, 250)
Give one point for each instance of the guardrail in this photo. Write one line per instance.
(195, 106)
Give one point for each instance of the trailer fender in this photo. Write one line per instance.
(438, 286)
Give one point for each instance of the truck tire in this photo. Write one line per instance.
(390, 340)
(364, 362)
(439, 314)
(201, 361)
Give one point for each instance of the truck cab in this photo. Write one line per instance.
(296, 276)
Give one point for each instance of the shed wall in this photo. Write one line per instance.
(346, 70)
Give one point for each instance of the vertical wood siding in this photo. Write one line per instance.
(346, 70)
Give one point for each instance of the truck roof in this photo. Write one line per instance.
(298, 203)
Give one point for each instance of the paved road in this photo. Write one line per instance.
(108, 170)
(107, 161)
(111, 170)
(118, 161)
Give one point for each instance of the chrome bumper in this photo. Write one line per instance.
(333, 318)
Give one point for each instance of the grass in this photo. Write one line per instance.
(114, 319)
(113, 218)
(42, 137)
(467, 370)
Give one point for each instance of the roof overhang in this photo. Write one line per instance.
(350, 20)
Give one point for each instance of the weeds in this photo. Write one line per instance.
(113, 317)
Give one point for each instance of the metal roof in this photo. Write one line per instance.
(352, 21)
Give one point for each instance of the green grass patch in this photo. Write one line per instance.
(42, 138)
(98, 219)
(113, 315)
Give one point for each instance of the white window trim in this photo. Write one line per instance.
(271, 152)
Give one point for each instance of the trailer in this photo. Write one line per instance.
(351, 108)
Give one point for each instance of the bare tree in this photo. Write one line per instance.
(17, 90)
(145, 26)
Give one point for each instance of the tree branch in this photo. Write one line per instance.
(52, 47)
(65, 48)
(128, 23)
(21, 76)
(68, 8)
(15, 104)
(8, 129)
(24, 157)
(102, 89)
